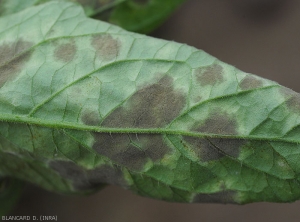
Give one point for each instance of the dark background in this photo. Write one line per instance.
(256, 36)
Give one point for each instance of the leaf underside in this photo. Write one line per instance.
(141, 16)
(84, 103)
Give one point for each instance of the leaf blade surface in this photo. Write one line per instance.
(84, 103)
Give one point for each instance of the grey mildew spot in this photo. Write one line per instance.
(197, 99)
(107, 48)
(88, 179)
(210, 75)
(225, 197)
(203, 148)
(106, 174)
(13, 56)
(120, 148)
(65, 52)
(91, 118)
(209, 149)
(153, 145)
(71, 171)
(292, 99)
(250, 82)
(228, 146)
(150, 107)
(218, 123)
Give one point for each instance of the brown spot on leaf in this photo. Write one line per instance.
(88, 179)
(225, 197)
(228, 146)
(203, 148)
(70, 171)
(91, 118)
(65, 52)
(130, 150)
(292, 99)
(197, 99)
(152, 106)
(219, 123)
(210, 75)
(107, 48)
(153, 145)
(119, 149)
(210, 149)
(250, 82)
(13, 57)
(106, 175)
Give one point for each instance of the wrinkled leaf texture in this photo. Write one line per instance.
(141, 16)
(84, 103)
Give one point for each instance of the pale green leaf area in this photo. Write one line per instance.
(84, 103)
(141, 16)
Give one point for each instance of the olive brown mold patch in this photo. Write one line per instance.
(91, 118)
(150, 107)
(107, 48)
(131, 150)
(106, 175)
(88, 179)
(209, 149)
(65, 52)
(292, 99)
(13, 56)
(250, 82)
(219, 123)
(210, 75)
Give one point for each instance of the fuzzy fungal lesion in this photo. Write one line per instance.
(132, 151)
(152, 106)
(107, 47)
(84, 180)
(211, 149)
(292, 99)
(215, 147)
(65, 52)
(210, 75)
(91, 118)
(13, 58)
(218, 123)
(250, 82)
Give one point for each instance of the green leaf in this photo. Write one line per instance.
(141, 16)
(134, 15)
(84, 103)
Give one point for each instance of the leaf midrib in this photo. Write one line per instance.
(76, 126)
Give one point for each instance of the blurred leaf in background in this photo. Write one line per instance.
(10, 192)
(141, 16)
